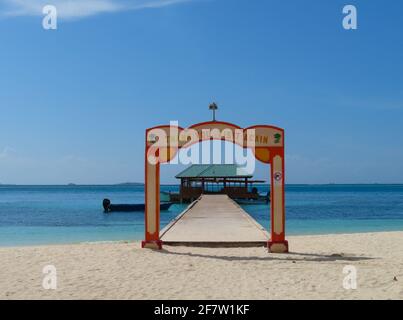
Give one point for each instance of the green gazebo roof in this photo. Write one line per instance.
(214, 171)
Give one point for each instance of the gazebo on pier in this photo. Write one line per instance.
(226, 179)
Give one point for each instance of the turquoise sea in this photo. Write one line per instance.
(31, 215)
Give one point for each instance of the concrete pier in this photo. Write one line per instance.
(214, 221)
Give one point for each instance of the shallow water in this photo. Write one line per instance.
(68, 214)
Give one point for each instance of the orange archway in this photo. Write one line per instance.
(163, 143)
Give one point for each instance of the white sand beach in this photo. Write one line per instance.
(314, 270)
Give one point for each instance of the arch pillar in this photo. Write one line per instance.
(152, 205)
(277, 243)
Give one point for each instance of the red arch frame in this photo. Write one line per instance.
(274, 155)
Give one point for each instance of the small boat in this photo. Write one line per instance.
(109, 207)
(260, 200)
(252, 202)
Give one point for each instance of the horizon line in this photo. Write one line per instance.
(177, 184)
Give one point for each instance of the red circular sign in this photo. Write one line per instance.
(278, 176)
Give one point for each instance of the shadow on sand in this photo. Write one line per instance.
(292, 257)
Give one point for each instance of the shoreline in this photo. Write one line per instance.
(126, 241)
(122, 270)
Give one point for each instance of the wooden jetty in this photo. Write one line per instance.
(214, 221)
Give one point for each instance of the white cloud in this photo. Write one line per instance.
(6, 152)
(79, 8)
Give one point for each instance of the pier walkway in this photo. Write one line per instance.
(214, 221)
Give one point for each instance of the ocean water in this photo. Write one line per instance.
(31, 215)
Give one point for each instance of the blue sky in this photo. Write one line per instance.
(75, 102)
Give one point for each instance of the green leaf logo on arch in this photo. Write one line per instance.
(277, 138)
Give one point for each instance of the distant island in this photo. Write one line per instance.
(130, 184)
(113, 184)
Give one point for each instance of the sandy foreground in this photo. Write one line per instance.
(314, 270)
